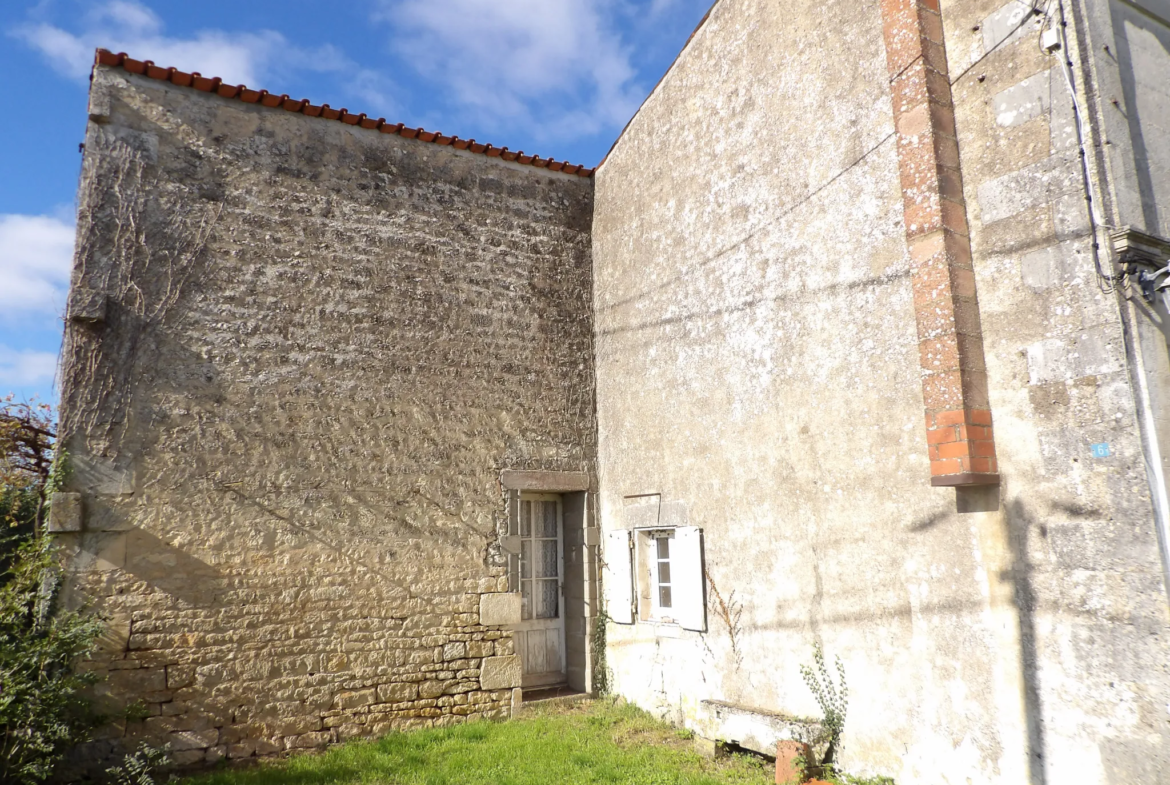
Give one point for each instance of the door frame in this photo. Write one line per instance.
(580, 551)
(559, 676)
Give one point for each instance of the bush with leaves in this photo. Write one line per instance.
(138, 768)
(20, 506)
(44, 709)
(43, 705)
(833, 699)
(27, 435)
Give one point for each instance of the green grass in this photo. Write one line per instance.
(597, 742)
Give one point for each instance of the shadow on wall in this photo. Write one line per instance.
(127, 350)
(144, 557)
(1021, 525)
(171, 570)
(1020, 522)
(277, 517)
(1021, 529)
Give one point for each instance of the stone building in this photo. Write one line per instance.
(854, 339)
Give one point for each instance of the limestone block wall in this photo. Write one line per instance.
(1086, 578)
(1127, 60)
(298, 356)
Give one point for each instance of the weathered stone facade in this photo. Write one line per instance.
(317, 347)
(311, 367)
(769, 297)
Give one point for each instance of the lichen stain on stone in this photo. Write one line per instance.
(326, 323)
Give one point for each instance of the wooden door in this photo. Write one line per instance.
(539, 573)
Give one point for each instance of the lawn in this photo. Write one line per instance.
(595, 742)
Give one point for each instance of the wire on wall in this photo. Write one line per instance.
(1106, 280)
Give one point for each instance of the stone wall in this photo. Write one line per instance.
(299, 354)
(1086, 580)
(1128, 59)
(751, 275)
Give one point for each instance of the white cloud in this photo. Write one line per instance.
(659, 7)
(253, 58)
(127, 26)
(128, 14)
(560, 65)
(36, 252)
(25, 368)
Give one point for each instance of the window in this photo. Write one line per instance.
(656, 600)
(656, 576)
(662, 570)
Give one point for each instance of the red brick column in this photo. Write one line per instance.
(950, 341)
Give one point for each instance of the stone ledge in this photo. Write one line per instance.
(87, 306)
(1136, 246)
(963, 478)
(514, 480)
(101, 476)
(751, 727)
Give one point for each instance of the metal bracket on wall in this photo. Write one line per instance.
(1144, 259)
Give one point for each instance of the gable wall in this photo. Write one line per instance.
(322, 345)
(757, 367)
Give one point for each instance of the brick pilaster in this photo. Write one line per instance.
(950, 341)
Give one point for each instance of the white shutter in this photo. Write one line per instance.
(619, 577)
(687, 583)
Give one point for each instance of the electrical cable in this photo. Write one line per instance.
(1105, 281)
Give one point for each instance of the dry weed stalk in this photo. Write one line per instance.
(729, 611)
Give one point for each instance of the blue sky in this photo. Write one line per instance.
(554, 77)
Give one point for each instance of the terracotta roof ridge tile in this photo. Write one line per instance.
(303, 106)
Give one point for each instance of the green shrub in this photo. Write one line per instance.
(20, 506)
(138, 768)
(833, 700)
(43, 706)
(27, 452)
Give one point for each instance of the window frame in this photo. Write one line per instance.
(646, 570)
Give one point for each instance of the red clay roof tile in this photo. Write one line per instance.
(264, 98)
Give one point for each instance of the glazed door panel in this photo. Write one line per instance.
(538, 573)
